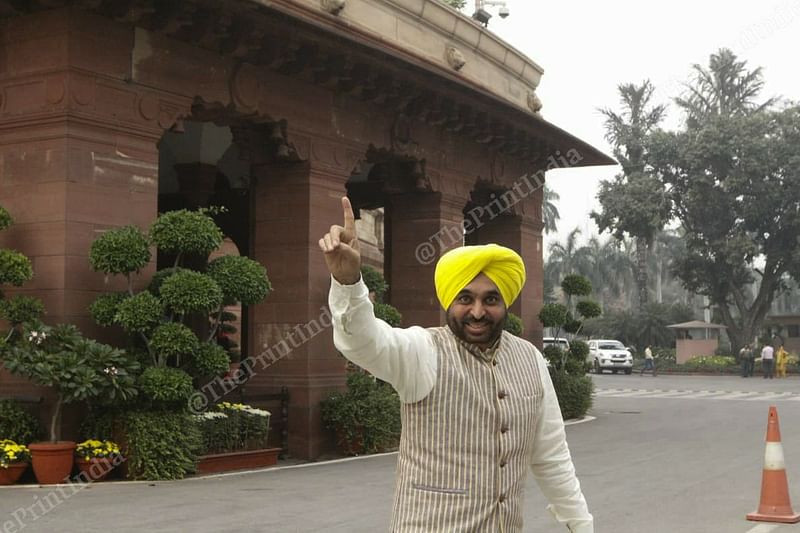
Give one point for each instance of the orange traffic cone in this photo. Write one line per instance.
(775, 505)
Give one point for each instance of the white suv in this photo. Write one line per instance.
(609, 355)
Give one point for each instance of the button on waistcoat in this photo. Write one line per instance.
(466, 448)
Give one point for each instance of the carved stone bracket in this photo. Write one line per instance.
(454, 58)
(332, 6)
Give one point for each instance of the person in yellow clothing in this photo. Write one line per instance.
(781, 359)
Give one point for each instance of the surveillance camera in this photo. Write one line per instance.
(504, 12)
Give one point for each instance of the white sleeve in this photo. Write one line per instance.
(552, 464)
(405, 358)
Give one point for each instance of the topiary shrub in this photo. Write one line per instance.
(120, 251)
(240, 278)
(388, 314)
(165, 386)
(155, 317)
(374, 281)
(574, 393)
(17, 424)
(210, 359)
(16, 269)
(576, 358)
(188, 291)
(186, 232)
(513, 324)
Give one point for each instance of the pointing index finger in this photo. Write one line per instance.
(349, 218)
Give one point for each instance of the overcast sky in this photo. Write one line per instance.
(587, 48)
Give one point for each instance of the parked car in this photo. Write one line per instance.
(609, 355)
(552, 341)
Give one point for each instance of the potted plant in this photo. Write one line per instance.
(97, 458)
(366, 417)
(14, 459)
(78, 369)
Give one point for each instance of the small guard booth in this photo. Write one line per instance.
(695, 338)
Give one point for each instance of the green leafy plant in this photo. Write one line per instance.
(388, 314)
(513, 324)
(21, 309)
(186, 232)
(120, 251)
(11, 452)
(157, 318)
(77, 368)
(161, 445)
(165, 385)
(366, 417)
(574, 393)
(374, 281)
(210, 359)
(16, 269)
(17, 424)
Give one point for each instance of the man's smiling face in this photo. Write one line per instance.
(478, 313)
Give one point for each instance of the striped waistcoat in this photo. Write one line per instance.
(466, 448)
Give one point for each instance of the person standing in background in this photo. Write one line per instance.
(767, 361)
(746, 358)
(649, 363)
(781, 359)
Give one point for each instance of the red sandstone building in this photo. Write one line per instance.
(114, 110)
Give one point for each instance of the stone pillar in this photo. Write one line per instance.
(420, 227)
(295, 205)
(522, 233)
(77, 156)
(82, 163)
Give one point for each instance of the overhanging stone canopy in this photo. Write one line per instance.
(401, 104)
(348, 53)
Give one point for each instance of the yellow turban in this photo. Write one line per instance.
(458, 267)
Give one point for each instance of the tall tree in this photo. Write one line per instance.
(550, 214)
(633, 203)
(726, 88)
(567, 258)
(733, 178)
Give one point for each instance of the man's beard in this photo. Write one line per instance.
(485, 338)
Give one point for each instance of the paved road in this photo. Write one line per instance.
(651, 462)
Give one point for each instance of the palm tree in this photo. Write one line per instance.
(611, 270)
(633, 203)
(567, 258)
(725, 89)
(550, 215)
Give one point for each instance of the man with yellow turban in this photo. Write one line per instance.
(478, 405)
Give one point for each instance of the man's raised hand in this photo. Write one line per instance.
(340, 246)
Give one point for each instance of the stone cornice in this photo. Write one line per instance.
(432, 32)
(373, 63)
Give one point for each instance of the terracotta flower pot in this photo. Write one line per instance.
(52, 461)
(96, 468)
(10, 475)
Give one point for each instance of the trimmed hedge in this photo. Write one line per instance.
(574, 393)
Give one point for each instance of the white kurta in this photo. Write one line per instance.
(426, 365)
